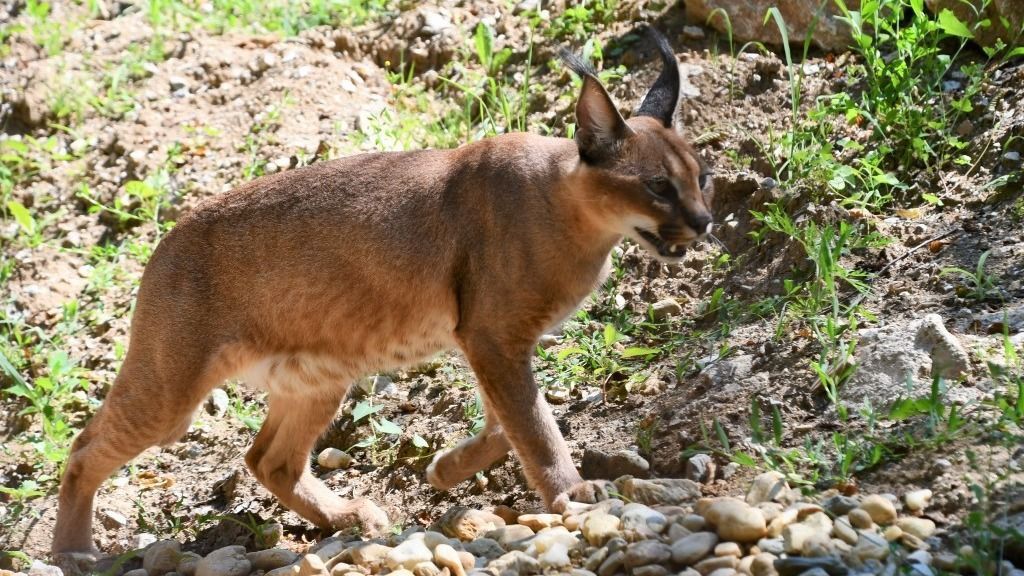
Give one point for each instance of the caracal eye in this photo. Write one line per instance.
(702, 180)
(661, 187)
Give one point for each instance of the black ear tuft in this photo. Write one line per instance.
(599, 126)
(663, 97)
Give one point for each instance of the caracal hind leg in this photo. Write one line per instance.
(140, 411)
(502, 366)
(279, 458)
(470, 455)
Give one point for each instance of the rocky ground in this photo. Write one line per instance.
(922, 479)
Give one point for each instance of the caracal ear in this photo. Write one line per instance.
(663, 97)
(599, 126)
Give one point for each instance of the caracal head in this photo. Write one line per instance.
(641, 179)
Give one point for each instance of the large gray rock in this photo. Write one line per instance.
(747, 20)
(899, 361)
(995, 11)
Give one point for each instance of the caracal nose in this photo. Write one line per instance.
(700, 222)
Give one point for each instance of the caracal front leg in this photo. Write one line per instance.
(470, 455)
(279, 458)
(503, 371)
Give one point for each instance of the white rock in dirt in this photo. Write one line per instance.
(665, 308)
(332, 458)
(917, 500)
(733, 519)
(600, 527)
(768, 487)
(691, 549)
(271, 558)
(408, 554)
(880, 508)
(161, 557)
(140, 541)
(136, 572)
(446, 557)
(227, 561)
(217, 403)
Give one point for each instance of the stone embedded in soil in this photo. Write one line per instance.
(227, 561)
(733, 519)
(667, 491)
(161, 557)
(767, 487)
(599, 465)
(217, 403)
(691, 549)
(700, 468)
(665, 308)
(880, 508)
(332, 458)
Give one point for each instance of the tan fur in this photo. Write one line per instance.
(303, 281)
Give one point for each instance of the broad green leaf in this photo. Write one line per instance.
(419, 442)
(932, 199)
(744, 459)
(364, 409)
(22, 216)
(906, 407)
(635, 351)
(385, 426)
(611, 335)
(952, 25)
(484, 44)
(563, 354)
